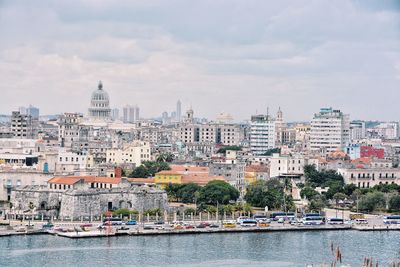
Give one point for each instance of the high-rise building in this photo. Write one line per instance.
(330, 131)
(115, 114)
(164, 117)
(100, 104)
(262, 134)
(137, 113)
(178, 110)
(129, 114)
(357, 130)
(33, 112)
(23, 126)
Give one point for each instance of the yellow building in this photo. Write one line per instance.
(188, 175)
(168, 177)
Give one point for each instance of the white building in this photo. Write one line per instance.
(286, 166)
(357, 130)
(227, 134)
(69, 128)
(387, 130)
(262, 134)
(330, 131)
(366, 178)
(135, 153)
(100, 104)
(70, 162)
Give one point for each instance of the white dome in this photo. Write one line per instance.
(100, 104)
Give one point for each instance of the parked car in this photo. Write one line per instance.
(241, 218)
(131, 222)
(47, 225)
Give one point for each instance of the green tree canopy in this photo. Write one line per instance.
(372, 201)
(165, 157)
(268, 193)
(218, 192)
(323, 178)
(309, 193)
(149, 169)
(187, 192)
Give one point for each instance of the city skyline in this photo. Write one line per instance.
(232, 57)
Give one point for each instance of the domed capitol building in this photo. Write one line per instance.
(100, 104)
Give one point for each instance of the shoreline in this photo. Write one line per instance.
(141, 232)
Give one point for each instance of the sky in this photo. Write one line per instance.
(238, 57)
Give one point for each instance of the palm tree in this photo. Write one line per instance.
(338, 196)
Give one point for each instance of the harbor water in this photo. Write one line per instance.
(227, 249)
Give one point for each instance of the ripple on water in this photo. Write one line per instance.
(260, 249)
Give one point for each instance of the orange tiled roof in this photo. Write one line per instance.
(64, 180)
(256, 168)
(168, 172)
(364, 160)
(200, 179)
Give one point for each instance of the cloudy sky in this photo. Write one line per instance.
(228, 56)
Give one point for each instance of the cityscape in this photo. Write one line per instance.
(221, 167)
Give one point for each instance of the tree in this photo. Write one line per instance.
(218, 192)
(372, 201)
(172, 191)
(139, 172)
(268, 193)
(149, 169)
(228, 209)
(334, 188)
(324, 178)
(165, 157)
(316, 204)
(190, 211)
(394, 203)
(348, 189)
(187, 192)
(309, 193)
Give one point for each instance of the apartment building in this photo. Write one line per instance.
(262, 134)
(330, 131)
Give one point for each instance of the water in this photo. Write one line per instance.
(279, 249)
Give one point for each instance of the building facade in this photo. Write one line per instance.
(100, 104)
(330, 131)
(134, 153)
(262, 134)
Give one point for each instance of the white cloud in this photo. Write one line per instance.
(235, 56)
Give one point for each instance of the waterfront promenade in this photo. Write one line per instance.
(75, 230)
